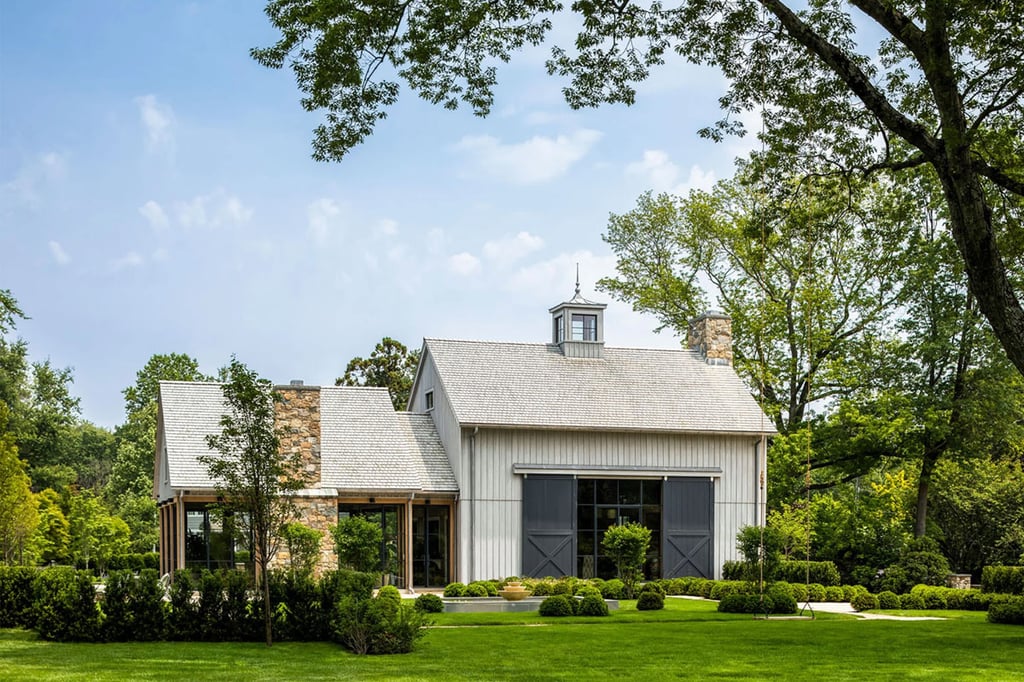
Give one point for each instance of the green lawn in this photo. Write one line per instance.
(687, 640)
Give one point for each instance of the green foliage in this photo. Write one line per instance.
(253, 477)
(298, 607)
(762, 551)
(746, 603)
(816, 592)
(119, 621)
(782, 598)
(16, 595)
(592, 605)
(834, 594)
(1008, 613)
(1003, 579)
(475, 590)
(18, 507)
(391, 365)
(235, 625)
(303, 545)
(377, 626)
(650, 600)
(584, 590)
(64, 606)
(429, 603)
(626, 545)
(912, 602)
(612, 589)
(823, 572)
(211, 604)
(556, 606)
(490, 587)
(456, 590)
(888, 600)
(149, 613)
(357, 542)
(920, 564)
(864, 601)
(52, 539)
(182, 622)
(723, 588)
(95, 534)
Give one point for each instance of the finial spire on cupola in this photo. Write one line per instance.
(578, 325)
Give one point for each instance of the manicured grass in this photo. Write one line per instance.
(688, 640)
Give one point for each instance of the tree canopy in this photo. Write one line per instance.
(897, 86)
(391, 365)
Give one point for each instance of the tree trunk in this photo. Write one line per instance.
(931, 458)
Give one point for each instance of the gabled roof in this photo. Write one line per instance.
(633, 389)
(364, 444)
(367, 446)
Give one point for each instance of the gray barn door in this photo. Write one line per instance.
(687, 527)
(549, 525)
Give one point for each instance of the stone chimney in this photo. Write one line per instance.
(711, 335)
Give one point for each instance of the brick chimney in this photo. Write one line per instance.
(711, 335)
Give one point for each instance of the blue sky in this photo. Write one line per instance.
(157, 195)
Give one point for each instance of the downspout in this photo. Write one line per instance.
(472, 502)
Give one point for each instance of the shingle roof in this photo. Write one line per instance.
(364, 444)
(191, 412)
(635, 389)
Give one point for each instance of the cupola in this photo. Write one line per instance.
(577, 326)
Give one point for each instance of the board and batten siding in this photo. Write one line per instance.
(442, 413)
(491, 503)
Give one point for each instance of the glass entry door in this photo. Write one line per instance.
(429, 546)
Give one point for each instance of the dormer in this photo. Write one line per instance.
(577, 327)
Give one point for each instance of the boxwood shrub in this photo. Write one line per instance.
(16, 596)
(821, 572)
(888, 600)
(592, 605)
(834, 594)
(556, 606)
(475, 590)
(64, 606)
(455, 590)
(816, 592)
(746, 603)
(864, 601)
(1009, 612)
(650, 600)
(781, 597)
(429, 603)
(612, 589)
(912, 602)
(490, 588)
(1003, 579)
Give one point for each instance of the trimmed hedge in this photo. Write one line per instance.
(1009, 612)
(822, 572)
(864, 601)
(556, 606)
(64, 606)
(16, 596)
(1003, 579)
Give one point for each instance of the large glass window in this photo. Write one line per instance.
(209, 539)
(584, 327)
(391, 520)
(603, 503)
(429, 546)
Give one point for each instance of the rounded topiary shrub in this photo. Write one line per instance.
(888, 600)
(799, 591)
(650, 600)
(592, 605)
(653, 587)
(455, 590)
(723, 588)
(746, 603)
(475, 590)
(1010, 612)
(816, 592)
(542, 588)
(934, 598)
(914, 602)
(561, 587)
(864, 602)
(556, 606)
(834, 594)
(781, 596)
(585, 590)
(429, 603)
(612, 589)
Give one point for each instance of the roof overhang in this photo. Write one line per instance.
(602, 471)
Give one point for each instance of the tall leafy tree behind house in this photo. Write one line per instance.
(922, 84)
(253, 476)
(18, 506)
(130, 485)
(807, 276)
(391, 365)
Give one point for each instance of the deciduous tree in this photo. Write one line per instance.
(391, 365)
(253, 476)
(922, 84)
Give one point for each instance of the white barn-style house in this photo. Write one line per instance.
(512, 459)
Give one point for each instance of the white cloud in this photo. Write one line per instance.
(322, 215)
(215, 209)
(512, 248)
(386, 227)
(129, 260)
(158, 122)
(662, 175)
(555, 278)
(464, 264)
(538, 159)
(42, 170)
(59, 254)
(154, 214)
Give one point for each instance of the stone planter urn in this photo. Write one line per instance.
(514, 591)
